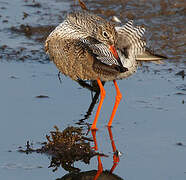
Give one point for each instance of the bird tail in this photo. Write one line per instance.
(149, 55)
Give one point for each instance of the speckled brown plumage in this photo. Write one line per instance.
(79, 47)
(75, 61)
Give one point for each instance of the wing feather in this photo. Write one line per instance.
(100, 51)
(132, 44)
(130, 38)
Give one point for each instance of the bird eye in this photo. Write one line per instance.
(105, 34)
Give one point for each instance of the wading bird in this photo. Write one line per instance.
(87, 47)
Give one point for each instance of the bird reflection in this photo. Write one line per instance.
(95, 91)
(98, 174)
(100, 171)
(93, 87)
(73, 144)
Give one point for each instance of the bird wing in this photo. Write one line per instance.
(100, 51)
(132, 44)
(130, 39)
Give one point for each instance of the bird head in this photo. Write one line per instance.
(106, 34)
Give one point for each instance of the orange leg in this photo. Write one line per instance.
(111, 139)
(100, 168)
(102, 94)
(115, 156)
(94, 139)
(117, 101)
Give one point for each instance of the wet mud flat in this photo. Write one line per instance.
(149, 128)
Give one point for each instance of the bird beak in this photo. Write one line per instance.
(113, 51)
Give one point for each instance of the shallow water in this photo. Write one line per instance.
(149, 127)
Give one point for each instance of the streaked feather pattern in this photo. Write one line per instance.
(130, 38)
(78, 48)
(101, 52)
(132, 42)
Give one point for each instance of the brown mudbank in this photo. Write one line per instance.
(90, 175)
(28, 31)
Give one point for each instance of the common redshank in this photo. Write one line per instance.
(87, 47)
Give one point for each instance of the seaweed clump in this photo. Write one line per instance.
(68, 146)
(65, 148)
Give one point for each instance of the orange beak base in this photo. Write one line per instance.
(114, 52)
